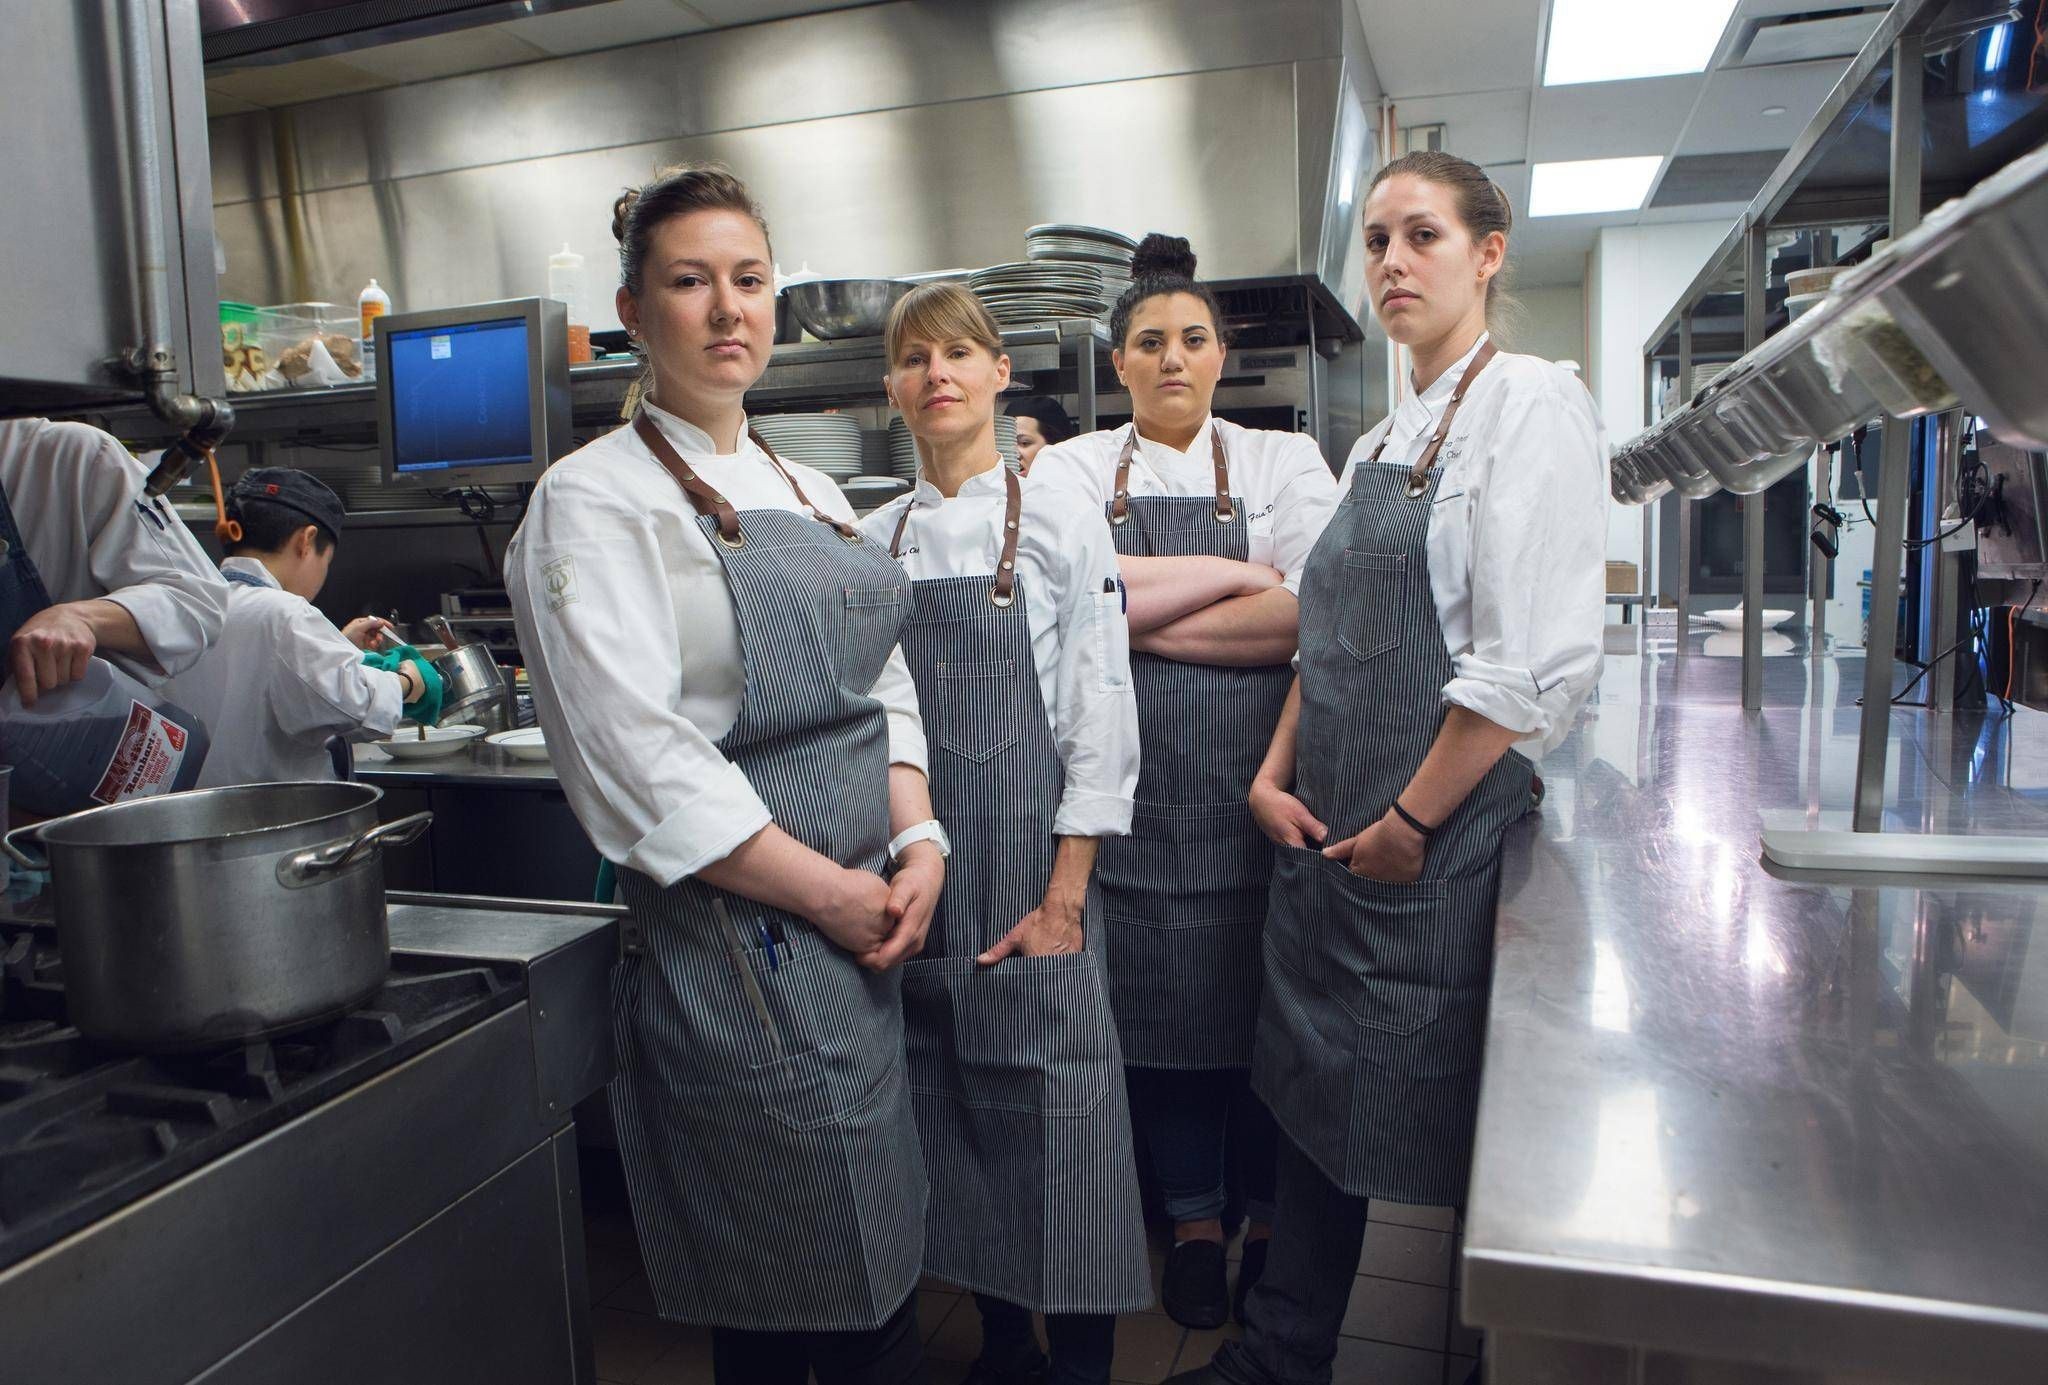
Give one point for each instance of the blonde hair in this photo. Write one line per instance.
(940, 312)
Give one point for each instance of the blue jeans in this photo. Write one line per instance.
(1082, 1343)
(1189, 1119)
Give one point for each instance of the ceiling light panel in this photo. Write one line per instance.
(1583, 186)
(1620, 40)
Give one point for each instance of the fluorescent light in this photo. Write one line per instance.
(1994, 46)
(1592, 185)
(1617, 40)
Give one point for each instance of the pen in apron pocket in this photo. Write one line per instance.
(745, 969)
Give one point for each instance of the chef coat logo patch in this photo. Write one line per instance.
(560, 579)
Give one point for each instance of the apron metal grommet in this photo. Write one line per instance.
(998, 599)
(738, 541)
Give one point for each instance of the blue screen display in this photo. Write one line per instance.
(459, 396)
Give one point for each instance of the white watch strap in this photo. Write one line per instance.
(927, 831)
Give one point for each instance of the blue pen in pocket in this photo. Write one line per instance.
(768, 941)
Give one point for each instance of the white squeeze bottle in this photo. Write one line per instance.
(371, 304)
(565, 282)
(105, 738)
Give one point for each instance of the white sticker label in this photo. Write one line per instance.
(146, 758)
(440, 348)
(560, 580)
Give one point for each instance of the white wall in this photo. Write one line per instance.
(1633, 278)
(1553, 324)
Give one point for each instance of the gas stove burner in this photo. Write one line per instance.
(85, 1128)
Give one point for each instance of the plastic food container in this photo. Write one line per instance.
(295, 337)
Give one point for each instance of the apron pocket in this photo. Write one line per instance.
(869, 624)
(1395, 954)
(1370, 623)
(1030, 1034)
(1188, 866)
(974, 708)
(827, 1070)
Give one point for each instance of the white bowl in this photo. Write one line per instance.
(1731, 619)
(528, 743)
(440, 740)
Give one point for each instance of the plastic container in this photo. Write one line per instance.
(106, 738)
(371, 304)
(289, 332)
(565, 283)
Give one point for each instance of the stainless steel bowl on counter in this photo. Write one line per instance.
(832, 309)
(196, 920)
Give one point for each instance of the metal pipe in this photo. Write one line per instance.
(1684, 624)
(1823, 567)
(1945, 566)
(1755, 268)
(203, 422)
(1895, 460)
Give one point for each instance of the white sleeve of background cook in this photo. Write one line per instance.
(1096, 722)
(320, 685)
(648, 786)
(1539, 540)
(1071, 468)
(1306, 498)
(142, 555)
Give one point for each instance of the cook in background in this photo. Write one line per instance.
(713, 654)
(1212, 522)
(1041, 422)
(283, 683)
(91, 566)
(1451, 621)
(1018, 646)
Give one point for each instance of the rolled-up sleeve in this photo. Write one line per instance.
(1538, 549)
(649, 787)
(1095, 724)
(147, 561)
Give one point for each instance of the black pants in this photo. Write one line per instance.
(1083, 1344)
(1188, 1119)
(892, 1354)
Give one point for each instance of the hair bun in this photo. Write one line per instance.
(1160, 256)
(620, 209)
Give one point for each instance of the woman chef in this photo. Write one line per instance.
(1450, 628)
(713, 653)
(1018, 646)
(1212, 522)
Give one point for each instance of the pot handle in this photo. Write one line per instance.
(310, 866)
(21, 858)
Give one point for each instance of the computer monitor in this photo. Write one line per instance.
(473, 396)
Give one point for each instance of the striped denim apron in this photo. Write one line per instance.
(1015, 1073)
(763, 1115)
(1375, 994)
(1184, 896)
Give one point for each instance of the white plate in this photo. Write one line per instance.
(1731, 619)
(441, 740)
(528, 743)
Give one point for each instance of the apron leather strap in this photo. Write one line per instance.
(1120, 507)
(1418, 476)
(709, 502)
(1005, 589)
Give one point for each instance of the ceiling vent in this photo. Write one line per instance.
(1811, 37)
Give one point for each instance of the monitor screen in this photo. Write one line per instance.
(460, 396)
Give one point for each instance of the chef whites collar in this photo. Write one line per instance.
(294, 490)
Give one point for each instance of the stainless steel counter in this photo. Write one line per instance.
(1736, 1115)
(479, 766)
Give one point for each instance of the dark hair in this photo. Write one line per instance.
(675, 191)
(1482, 207)
(1053, 420)
(1161, 265)
(267, 527)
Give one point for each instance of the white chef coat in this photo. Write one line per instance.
(77, 498)
(1286, 486)
(278, 684)
(1517, 538)
(1080, 641)
(626, 625)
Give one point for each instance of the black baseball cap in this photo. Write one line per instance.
(294, 490)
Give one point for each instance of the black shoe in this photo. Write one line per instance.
(1195, 1290)
(987, 1372)
(1250, 1272)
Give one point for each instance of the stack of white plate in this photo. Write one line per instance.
(903, 447)
(829, 442)
(867, 493)
(1034, 291)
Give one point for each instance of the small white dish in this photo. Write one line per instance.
(440, 740)
(528, 743)
(1731, 619)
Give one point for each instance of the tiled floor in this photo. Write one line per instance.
(1400, 1330)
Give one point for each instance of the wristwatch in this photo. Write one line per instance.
(929, 830)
